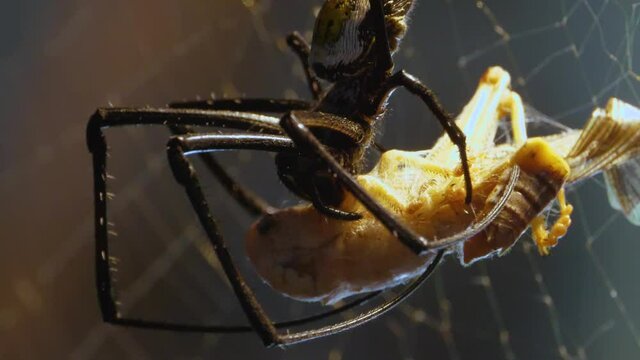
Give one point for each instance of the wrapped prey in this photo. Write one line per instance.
(309, 257)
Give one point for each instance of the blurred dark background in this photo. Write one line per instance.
(61, 60)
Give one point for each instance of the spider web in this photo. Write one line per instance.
(566, 57)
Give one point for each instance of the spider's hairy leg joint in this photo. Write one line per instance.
(293, 40)
(182, 169)
(460, 136)
(95, 138)
(288, 122)
(417, 244)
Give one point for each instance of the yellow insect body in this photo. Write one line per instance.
(307, 256)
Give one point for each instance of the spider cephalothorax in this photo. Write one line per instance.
(343, 37)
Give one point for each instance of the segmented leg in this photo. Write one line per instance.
(249, 200)
(185, 174)
(369, 315)
(513, 106)
(105, 118)
(258, 105)
(456, 135)
(96, 142)
(300, 47)
(545, 239)
(329, 211)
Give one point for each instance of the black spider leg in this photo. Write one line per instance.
(307, 142)
(301, 48)
(249, 200)
(329, 211)
(96, 142)
(254, 105)
(115, 117)
(369, 315)
(414, 85)
(178, 149)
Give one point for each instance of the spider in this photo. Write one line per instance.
(319, 146)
